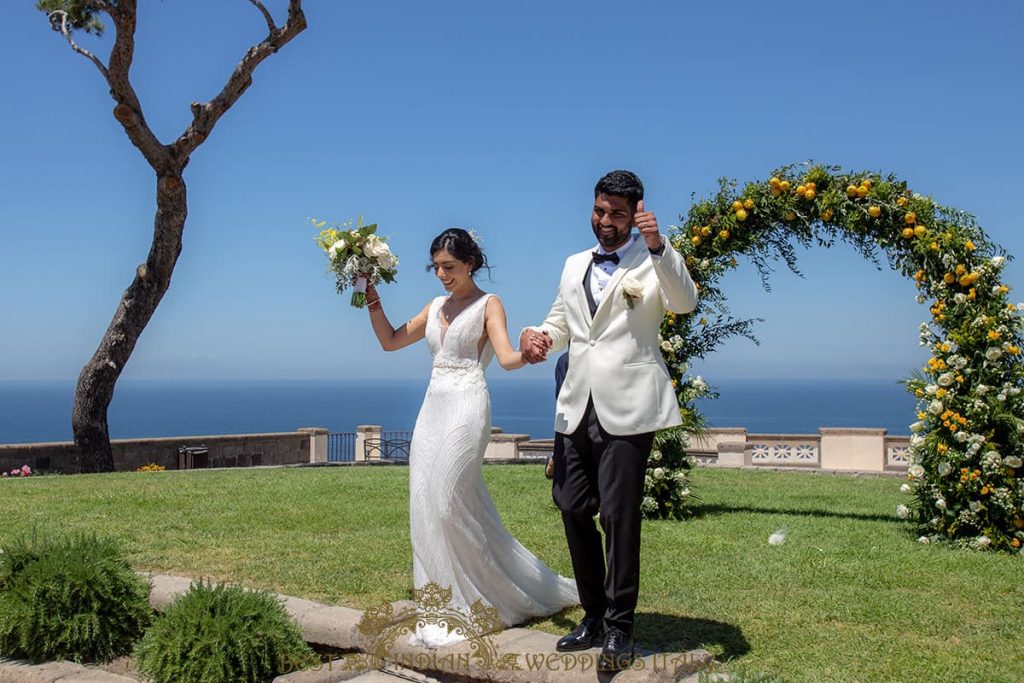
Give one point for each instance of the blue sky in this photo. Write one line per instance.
(497, 116)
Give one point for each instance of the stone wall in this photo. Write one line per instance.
(224, 450)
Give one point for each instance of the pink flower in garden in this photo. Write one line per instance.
(26, 470)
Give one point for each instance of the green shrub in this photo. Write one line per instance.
(222, 633)
(69, 597)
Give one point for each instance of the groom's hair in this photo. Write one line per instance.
(621, 184)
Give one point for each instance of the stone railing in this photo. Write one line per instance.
(866, 450)
(832, 448)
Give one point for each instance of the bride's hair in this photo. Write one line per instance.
(462, 246)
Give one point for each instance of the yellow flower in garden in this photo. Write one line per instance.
(703, 321)
(910, 218)
(920, 230)
(809, 193)
(960, 269)
(960, 379)
(826, 215)
(784, 185)
(965, 280)
(943, 448)
(790, 215)
(724, 234)
(902, 201)
(748, 204)
(993, 335)
(862, 191)
(1003, 289)
(695, 230)
(969, 245)
(800, 189)
(875, 211)
(949, 278)
(1019, 523)
(971, 293)
(908, 233)
(774, 182)
(939, 393)
(1015, 543)
(919, 274)
(741, 215)
(945, 347)
(867, 183)
(851, 191)
(934, 246)
(705, 231)
(695, 239)
(1013, 350)
(737, 205)
(921, 415)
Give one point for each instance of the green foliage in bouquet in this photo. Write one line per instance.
(73, 598)
(965, 456)
(222, 633)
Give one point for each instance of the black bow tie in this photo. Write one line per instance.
(601, 258)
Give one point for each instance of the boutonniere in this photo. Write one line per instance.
(632, 291)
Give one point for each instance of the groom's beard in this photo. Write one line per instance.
(611, 241)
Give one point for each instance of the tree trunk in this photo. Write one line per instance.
(138, 303)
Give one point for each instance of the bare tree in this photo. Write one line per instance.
(96, 382)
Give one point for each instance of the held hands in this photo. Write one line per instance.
(647, 223)
(534, 346)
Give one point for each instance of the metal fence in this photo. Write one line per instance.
(394, 445)
(341, 447)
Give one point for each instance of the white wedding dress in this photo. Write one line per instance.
(458, 540)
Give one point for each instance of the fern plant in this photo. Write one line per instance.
(222, 633)
(70, 597)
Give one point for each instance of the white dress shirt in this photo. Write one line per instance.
(602, 272)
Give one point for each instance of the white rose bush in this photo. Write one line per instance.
(668, 493)
(356, 256)
(965, 476)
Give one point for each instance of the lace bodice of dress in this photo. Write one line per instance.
(457, 353)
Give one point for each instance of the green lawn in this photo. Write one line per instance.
(851, 595)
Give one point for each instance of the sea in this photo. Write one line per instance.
(32, 412)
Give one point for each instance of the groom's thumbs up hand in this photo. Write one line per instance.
(647, 223)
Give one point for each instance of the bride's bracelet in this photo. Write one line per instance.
(374, 305)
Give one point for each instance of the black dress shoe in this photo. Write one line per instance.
(618, 652)
(585, 636)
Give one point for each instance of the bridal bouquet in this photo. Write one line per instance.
(356, 257)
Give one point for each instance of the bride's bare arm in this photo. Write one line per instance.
(391, 339)
(497, 332)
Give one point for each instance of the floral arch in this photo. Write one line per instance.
(966, 474)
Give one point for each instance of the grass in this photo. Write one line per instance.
(851, 596)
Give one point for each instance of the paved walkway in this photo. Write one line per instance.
(515, 655)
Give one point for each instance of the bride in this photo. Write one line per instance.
(458, 540)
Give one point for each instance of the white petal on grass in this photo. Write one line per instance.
(779, 537)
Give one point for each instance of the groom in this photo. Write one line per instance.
(616, 394)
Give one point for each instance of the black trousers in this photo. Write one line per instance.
(600, 472)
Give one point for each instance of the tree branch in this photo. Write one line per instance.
(271, 26)
(205, 115)
(59, 23)
(128, 111)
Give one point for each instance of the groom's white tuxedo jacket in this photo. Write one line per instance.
(615, 356)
